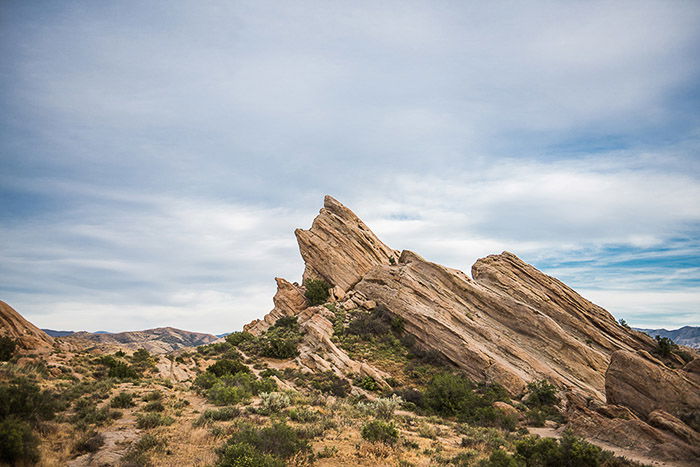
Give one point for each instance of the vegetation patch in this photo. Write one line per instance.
(316, 291)
(380, 431)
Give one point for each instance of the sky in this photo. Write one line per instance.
(156, 157)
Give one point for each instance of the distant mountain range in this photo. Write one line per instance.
(687, 335)
(158, 340)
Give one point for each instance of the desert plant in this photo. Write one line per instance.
(541, 393)
(123, 400)
(379, 431)
(316, 291)
(152, 420)
(383, 407)
(18, 445)
(90, 441)
(227, 367)
(664, 346)
(280, 440)
(274, 401)
(215, 415)
(155, 406)
(245, 455)
(8, 346)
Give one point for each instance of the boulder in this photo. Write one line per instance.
(645, 386)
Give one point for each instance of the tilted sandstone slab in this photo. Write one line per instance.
(30, 337)
(487, 333)
(644, 386)
(317, 352)
(584, 320)
(289, 300)
(339, 247)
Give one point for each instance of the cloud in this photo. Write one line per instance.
(157, 157)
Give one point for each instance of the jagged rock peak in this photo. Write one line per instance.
(340, 248)
(30, 337)
(289, 300)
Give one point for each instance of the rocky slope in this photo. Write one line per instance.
(30, 337)
(509, 323)
(158, 340)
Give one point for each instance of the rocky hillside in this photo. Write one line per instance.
(509, 323)
(687, 335)
(29, 337)
(158, 340)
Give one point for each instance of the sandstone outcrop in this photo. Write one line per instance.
(28, 336)
(339, 247)
(644, 386)
(289, 300)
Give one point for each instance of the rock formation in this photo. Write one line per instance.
(158, 340)
(510, 323)
(29, 337)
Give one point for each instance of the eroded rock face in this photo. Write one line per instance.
(339, 247)
(487, 333)
(30, 337)
(583, 320)
(289, 300)
(645, 386)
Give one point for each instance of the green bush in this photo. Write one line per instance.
(136, 455)
(123, 400)
(279, 440)
(152, 420)
(303, 415)
(153, 396)
(541, 393)
(367, 383)
(379, 431)
(237, 338)
(664, 346)
(141, 355)
(216, 415)
(228, 367)
(316, 291)
(500, 458)
(366, 324)
(567, 451)
(8, 346)
(448, 394)
(24, 399)
(222, 394)
(281, 340)
(245, 455)
(155, 406)
(18, 444)
(328, 383)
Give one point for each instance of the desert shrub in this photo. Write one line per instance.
(624, 323)
(492, 417)
(367, 383)
(227, 367)
(18, 445)
(410, 395)
(87, 413)
(281, 340)
(366, 324)
(24, 399)
(379, 431)
(91, 441)
(123, 400)
(664, 346)
(232, 389)
(155, 406)
(237, 338)
(217, 415)
(328, 383)
(280, 440)
(274, 401)
(447, 394)
(245, 455)
(567, 451)
(384, 407)
(152, 420)
(316, 291)
(141, 355)
(541, 393)
(303, 415)
(153, 396)
(222, 394)
(8, 346)
(500, 458)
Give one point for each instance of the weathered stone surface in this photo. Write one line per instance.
(487, 333)
(583, 320)
(668, 422)
(633, 434)
(339, 247)
(30, 337)
(289, 301)
(318, 353)
(644, 386)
